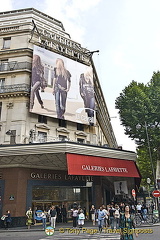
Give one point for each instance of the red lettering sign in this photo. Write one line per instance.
(100, 166)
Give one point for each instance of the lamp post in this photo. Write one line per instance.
(151, 160)
(149, 150)
(148, 181)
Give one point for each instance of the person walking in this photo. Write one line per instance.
(117, 215)
(122, 207)
(29, 217)
(93, 214)
(81, 217)
(44, 218)
(111, 216)
(75, 216)
(64, 214)
(8, 219)
(100, 215)
(53, 215)
(49, 215)
(139, 208)
(35, 215)
(106, 216)
(144, 211)
(127, 225)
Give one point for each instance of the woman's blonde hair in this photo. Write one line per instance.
(89, 74)
(60, 68)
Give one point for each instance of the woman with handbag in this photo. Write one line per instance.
(8, 219)
(81, 218)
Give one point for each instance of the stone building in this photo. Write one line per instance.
(46, 159)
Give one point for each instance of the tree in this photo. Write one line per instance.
(139, 104)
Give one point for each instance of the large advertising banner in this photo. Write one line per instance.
(61, 88)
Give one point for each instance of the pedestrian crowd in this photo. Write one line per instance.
(115, 216)
(54, 215)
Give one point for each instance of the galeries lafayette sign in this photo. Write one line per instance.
(100, 166)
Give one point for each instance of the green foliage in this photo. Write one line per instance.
(144, 165)
(139, 104)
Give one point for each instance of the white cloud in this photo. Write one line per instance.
(6, 5)
(70, 13)
(119, 59)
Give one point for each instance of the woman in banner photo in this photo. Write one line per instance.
(38, 81)
(86, 87)
(127, 225)
(61, 86)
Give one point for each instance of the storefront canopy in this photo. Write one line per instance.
(100, 166)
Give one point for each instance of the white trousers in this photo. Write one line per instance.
(53, 222)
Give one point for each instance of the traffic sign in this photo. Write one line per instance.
(49, 231)
(156, 193)
(133, 193)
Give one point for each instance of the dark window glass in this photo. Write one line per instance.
(2, 81)
(80, 127)
(62, 123)
(63, 138)
(6, 42)
(4, 65)
(42, 119)
(80, 140)
(42, 136)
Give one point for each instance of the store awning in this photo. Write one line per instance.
(100, 166)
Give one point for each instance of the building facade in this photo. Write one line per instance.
(46, 158)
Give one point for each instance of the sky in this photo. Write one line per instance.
(126, 33)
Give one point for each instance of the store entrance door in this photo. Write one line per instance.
(43, 197)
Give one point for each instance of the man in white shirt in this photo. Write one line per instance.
(139, 208)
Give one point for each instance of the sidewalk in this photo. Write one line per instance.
(38, 227)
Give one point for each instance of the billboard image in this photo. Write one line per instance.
(61, 87)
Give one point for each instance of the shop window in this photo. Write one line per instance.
(6, 42)
(0, 109)
(42, 137)
(42, 119)
(62, 123)
(48, 193)
(80, 127)
(80, 140)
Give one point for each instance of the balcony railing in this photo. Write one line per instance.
(15, 88)
(11, 66)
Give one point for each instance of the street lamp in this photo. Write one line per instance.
(151, 160)
(148, 181)
(149, 149)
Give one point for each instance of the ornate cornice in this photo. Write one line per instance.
(16, 90)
